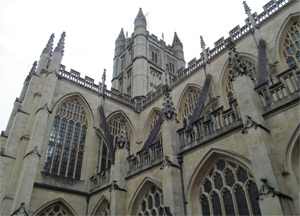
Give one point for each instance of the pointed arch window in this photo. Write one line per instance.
(228, 189)
(152, 202)
(65, 151)
(56, 209)
(189, 103)
(114, 125)
(291, 45)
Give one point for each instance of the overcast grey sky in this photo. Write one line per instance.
(92, 27)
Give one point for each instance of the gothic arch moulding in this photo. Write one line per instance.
(139, 194)
(291, 157)
(205, 167)
(82, 100)
(150, 121)
(187, 102)
(55, 207)
(225, 85)
(102, 206)
(280, 42)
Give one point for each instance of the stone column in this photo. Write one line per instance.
(119, 171)
(172, 193)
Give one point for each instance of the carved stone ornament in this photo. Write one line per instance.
(249, 123)
(35, 151)
(122, 140)
(168, 108)
(266, 189)
(166, 162)
(20, 211)
(236, 65)
(45, 107)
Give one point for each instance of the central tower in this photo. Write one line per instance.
(142, 63)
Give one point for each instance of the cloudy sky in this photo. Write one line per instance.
(92, 27)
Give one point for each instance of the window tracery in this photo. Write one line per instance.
(65, 151)
(291, 45)
(229, 189)
(189, 103)
(152, 203)
(56, 209)
(114, 127)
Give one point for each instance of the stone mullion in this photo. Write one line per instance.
(63, 147)
(71, 146)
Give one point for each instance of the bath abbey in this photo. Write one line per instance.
(215, 135)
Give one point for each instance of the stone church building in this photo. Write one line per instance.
(218, 135)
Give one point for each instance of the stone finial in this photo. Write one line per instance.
(236, 64)
(169, 112)
(60, 46)
(49, 45)
(122, 140)
(247, 9)
(202, 43)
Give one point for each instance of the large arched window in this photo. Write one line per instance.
(152, 203)
(188, 104)
(252, 68)
(228, 189)
(55, 209)
(291, 44)
(64, 156)
(151, 122)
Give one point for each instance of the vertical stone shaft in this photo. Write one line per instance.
(172, 194)
(260, 144)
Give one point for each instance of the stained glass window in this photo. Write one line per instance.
(291, 46)
(224, 192)
(152, 202)
(64, 156)
(189, 103)
(56, 209)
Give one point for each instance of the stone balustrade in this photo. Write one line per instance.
(288, 84)
(219, 120)
(100, 179)
(145, 159)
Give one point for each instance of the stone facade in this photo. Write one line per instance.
(219, 136)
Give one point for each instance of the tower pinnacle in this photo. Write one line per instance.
(202, 43)
(49, 46)
(247, 9)
(140, 19)
(176, 40)
(60, 46)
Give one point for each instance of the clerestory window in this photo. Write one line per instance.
(291, 45)
(65, 151)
